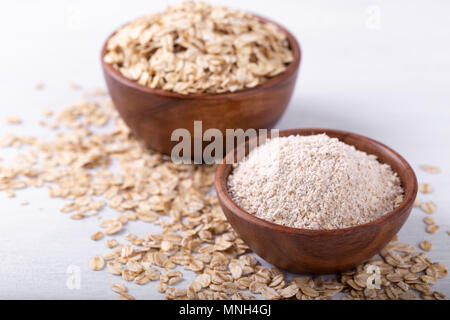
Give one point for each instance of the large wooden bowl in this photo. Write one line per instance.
(153, 114)
(321, 251)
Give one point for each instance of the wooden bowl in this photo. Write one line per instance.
(153, 114)
(321, 251)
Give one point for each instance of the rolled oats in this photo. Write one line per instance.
(13, 120)
(111, 243)
(76, 168)
(425, 188)
(426, 245)
(97, 263)
(439, 296)
(408, 296)
(97, 236)
(429, 168)
(433, 228)
(270, 293)
(162, 287)
(119, 288)
(114, 268)
(194, 47)
(309, 291)
(125, 296)
(428, 207)
(113, 228)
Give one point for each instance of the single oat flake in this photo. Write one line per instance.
(428, 207)
(430, 169)
(426, 245)
(425, 188)
(119, 288)
(97, 236)
(433, 229)
(92, 169)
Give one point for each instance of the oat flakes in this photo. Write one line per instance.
(194, 47)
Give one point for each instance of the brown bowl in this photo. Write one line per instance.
(321, 251)
(153, 114)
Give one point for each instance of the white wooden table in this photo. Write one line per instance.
(386, 78)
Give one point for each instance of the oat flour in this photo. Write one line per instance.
(314, 182)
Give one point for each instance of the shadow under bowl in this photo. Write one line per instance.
(321, 251)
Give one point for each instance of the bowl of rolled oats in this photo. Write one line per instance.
(316, 200)
(228, 68)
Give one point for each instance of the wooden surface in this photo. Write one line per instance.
(153, 114)
(321, 251)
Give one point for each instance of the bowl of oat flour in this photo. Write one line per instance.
(317, 200)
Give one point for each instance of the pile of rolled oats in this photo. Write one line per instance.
(194, 47)
(93, 162)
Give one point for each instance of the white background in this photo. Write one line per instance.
(387, 79)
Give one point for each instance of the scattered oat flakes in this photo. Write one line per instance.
(429, 220)
(39, 86)
(417, 202)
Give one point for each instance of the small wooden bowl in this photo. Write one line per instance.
(153, 114)
(321, 251)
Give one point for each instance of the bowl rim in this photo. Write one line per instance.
(290, 70)
(221, 179)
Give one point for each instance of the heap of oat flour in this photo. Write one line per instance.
(314, 182)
